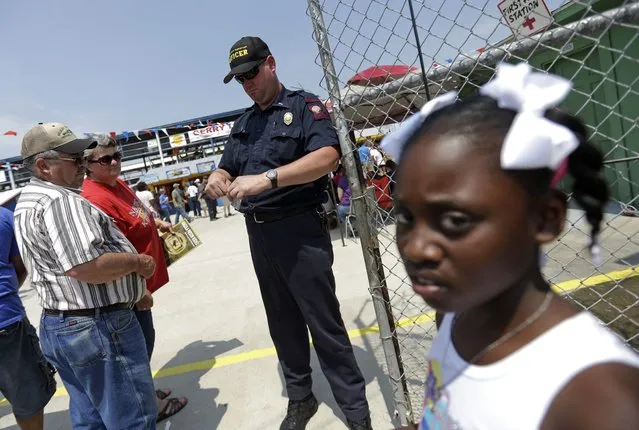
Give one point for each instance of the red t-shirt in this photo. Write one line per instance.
(381, 188)
(134, 220)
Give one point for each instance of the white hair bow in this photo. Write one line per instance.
(532, 142)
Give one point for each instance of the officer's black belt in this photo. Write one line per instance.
(260, 218)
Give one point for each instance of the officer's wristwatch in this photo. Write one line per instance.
(272, 176)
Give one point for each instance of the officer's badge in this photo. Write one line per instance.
(288, 118)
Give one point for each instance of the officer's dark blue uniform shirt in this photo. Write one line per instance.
(296, 124)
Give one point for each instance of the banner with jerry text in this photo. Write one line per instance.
(215, 130)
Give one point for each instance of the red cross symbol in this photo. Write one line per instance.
(529, 23)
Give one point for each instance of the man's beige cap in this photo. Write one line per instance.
(53, 136)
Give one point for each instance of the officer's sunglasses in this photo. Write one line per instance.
(106, 160)
(251, 74)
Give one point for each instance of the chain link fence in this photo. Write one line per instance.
(383, 59)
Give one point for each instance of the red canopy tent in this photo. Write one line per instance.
(378, 75)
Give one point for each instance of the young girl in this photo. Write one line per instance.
(474, 205)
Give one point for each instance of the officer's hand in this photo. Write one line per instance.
(217, 185)
(250, 185)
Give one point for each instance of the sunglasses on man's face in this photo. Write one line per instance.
(106, 160)
(251, 74)
(77, 160)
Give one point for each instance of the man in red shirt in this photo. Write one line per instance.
(113, 196)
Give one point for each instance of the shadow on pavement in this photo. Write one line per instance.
(372, 362)
(202, 411)
(369, 363)
(630, 260)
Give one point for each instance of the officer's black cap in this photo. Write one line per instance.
(245, 54)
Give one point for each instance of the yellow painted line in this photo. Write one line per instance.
(575, 284)
(214, 362)
(562, 287)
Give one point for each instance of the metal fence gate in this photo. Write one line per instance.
(455, 44)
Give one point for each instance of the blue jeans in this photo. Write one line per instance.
(342, 212)
(179, 210)
(165, 215)
(103, 367)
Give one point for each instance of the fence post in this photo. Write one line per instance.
(157, 140)
(10, 175)
(368, 236)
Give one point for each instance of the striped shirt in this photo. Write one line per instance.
(56, 230)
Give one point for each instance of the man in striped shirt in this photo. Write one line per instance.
(88, 277)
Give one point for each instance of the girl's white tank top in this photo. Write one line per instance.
(515, 392)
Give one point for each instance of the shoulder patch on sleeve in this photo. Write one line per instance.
(318, 110)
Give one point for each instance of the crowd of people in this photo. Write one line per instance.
(509, 354)
(182, 201)
(378, 171)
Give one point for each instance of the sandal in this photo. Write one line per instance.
(162, 393)
(172, 407)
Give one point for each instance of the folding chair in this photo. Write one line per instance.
(349, 222)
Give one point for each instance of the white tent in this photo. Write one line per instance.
(8, 196)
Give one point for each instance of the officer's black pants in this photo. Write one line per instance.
(292, 259)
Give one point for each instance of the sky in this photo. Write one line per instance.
(101, 66)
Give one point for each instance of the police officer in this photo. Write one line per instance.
(276, 163)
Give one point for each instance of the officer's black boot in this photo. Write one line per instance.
(364, 424)
(299, 413)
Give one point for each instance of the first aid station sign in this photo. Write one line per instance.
(525, 17)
